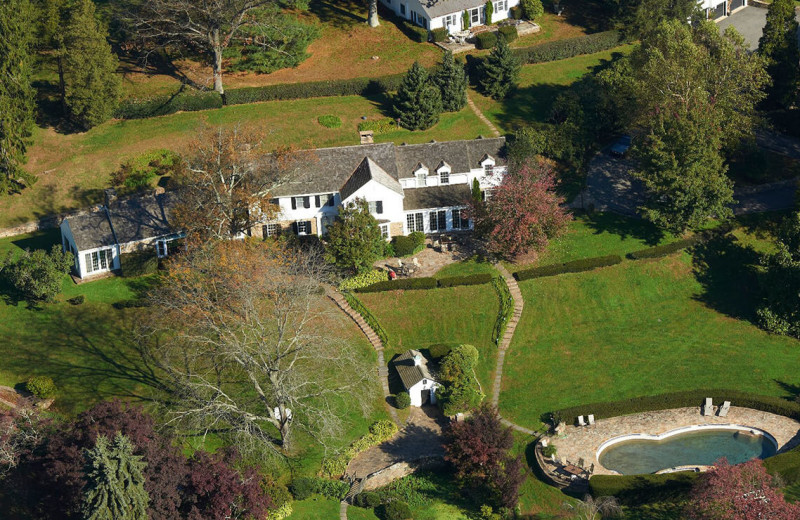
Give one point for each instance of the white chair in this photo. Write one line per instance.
(708, 408)
(580, 421)
(591, 420)
(723, 410)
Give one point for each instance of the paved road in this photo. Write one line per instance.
(750, 22)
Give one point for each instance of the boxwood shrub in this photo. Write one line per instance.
(169, 104)
(509, 32)
(765, 403)
(396, 285)
(42, 387)
(485, 40)
(364, 279)
(471, 279)
(415, 32)
(576, 266)
(440, 34)
(407, 245)
(643, 489)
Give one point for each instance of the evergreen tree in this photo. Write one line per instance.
(115, 484)
(16, 93)
(780, 282)
(89, 80)
(499, 71)
(354, 239)
(418, 101)
(778, 45)
(452, 82)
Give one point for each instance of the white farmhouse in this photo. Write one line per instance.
(714, 9)
(412, 367)
(449, 14)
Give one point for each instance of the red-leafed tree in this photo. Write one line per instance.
(523, 213)
(479, 448)
(742, 492)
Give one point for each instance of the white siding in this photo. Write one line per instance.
(415, 392)
(373, 192)
(311, 213)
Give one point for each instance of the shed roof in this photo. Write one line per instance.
(142, 218)
(411, 374)
(91, 230)
(368, 170)
(436, 197)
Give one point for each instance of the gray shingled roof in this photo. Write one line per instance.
(409, 373)
(91, 230)
(436, 8)
(330, 168)
(462, 156)
(141, 218)
(366, 171)
(436, 197)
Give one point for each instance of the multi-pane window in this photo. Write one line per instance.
(272, 230)
(415, 222)
(488, 168)
(385, 230)
(303, 227)
(301, 202)
(102, 260)
(376, 207)
(459, 220)
(422, 180)
(502, 5)
(444, 177)
(161, 248)
(438, 220)
(475, 16)
(451, 20)
(403, 9)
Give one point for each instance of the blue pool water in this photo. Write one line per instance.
(702, 447)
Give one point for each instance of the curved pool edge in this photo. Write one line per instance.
(684, 429)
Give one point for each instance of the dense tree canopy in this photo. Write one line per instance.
(780, 282)
(354, 240)
(778, 45)
(38, 275)
(418, 101)
(16, 94)
(114, 481)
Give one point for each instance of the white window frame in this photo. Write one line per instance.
(422, 179)
(451, 20)
(415, 222)
(500, 6)
(271, 229)
(384, 231)
(159, 245)
(96, 259)
(476, 16)
(301, 227)
(444, 176)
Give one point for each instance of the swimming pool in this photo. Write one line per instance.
(699, 446)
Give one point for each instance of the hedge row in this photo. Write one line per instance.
(770, 404)
(371, 320)
(138, 263)
(576, 266)
(485, 40)
(427, 283)
(674, 247)
(163, 105)
(379, 432)
(569, 47)
(506, 308)
(342, 87)
(643, 489)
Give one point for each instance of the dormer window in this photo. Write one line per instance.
(421, 173)
(488, 165)
(444, 173)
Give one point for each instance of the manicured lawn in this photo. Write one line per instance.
(316, 507)
(73, 169)
(538, 87)
(554, 27)
(456, 315)
(640, 328)
(467, 267)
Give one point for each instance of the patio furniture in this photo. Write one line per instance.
(723, 410)
(591, 420)
(708, 407)
(573, 471)
(580, 421)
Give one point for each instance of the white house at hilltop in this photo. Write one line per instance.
(714, 9)
(434, 14)
(412, 367)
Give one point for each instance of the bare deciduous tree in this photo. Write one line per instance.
(594, 508)
(21, 430)
(240, 330)
(208, 26)
(226, 181)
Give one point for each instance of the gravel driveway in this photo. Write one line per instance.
(750, 22)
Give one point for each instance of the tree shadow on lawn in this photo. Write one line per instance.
(727, 272)
(40, 240)
(592, 15)
(336, 16)
(90, 353)
(624, 227)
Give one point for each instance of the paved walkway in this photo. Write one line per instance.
(483, 118)
(582, 442)
(383, 369)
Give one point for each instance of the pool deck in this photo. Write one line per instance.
(582, 442)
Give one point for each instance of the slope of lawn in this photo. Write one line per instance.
(452, 316)
(88, 350)
(73, 169)
(642, 328)
(537, 88)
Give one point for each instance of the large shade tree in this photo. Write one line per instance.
(208, 27)
(241, 332)
(780, 282)
(17, 97)
(354, 240)
(779, 46)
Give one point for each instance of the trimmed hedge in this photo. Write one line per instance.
(440, 34)
(415, 32)
(674, 247)
(509, 32)
(576, 266)
(485, 40)
(765, 403)
(643, 489)
(427, 283)
(379, 432)
(470, 279)
(371, 320)
(396, 285)
(164, 105)
(569, 47)
(139, 263)
(506, 308)
(343, 87)
(364, 279)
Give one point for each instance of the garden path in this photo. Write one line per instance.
(483, 118)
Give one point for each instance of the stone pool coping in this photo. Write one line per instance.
(584, 442)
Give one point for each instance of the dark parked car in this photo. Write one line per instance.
(621, 146)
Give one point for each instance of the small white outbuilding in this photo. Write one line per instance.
(412, 367)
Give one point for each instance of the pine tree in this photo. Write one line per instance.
(778, 45)
(16, 93)
(452, 82)
(115, 484)
(89, 80)
(499, 71)
(418, 101)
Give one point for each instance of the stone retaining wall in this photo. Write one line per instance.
(396, 471)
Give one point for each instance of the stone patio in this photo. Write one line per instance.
(582, 442)
(431, 260)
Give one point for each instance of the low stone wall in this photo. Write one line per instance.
(396, 471)
(50, 222)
